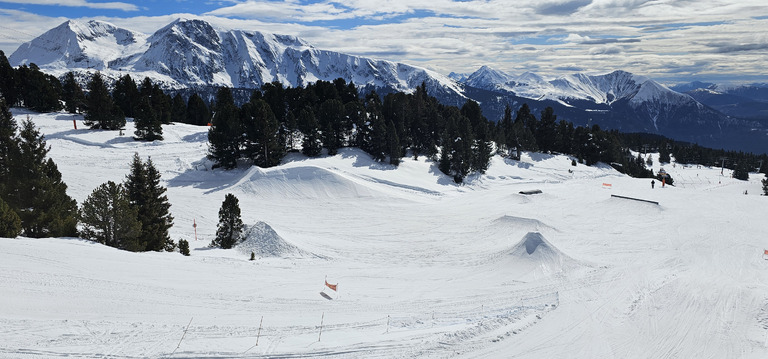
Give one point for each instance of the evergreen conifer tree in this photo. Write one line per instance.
(311, 145)
(148, 125)
(9, 149)
(102, 111)
(38, 194)
(8, 87)
(178, 109)
(126, 95)
(72, 94)
(108, 218)
(148, 196)
(197, 112)
(765, 186)
(10, 223)
(263, 144)
(230, 228)
(226, 132)
(184, 247)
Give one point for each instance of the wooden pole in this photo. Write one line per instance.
(387, 323)
(194, 225)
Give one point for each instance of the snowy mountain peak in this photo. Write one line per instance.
(487, 76)
(194, 53)
(75, 44)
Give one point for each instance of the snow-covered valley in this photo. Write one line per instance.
(424, 267)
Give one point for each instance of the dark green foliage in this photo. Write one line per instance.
(742, 171)
(765, 186)
(178, 109)
(72, 94)
(253, 256)
(126, 95)
(225, 135)
(148, 125)
(40, 92)
(35, 190)
(10, 223)
(8, 81)
(262, 143)
(546, 131)
(197, 112)
(230, 227)
(148, 196)
(184, 247)
(311, 146)
(109, 218)
(9, 147)
(102, 111)
(393, 145)
(664, 154)
(456, 155)
(332, 124)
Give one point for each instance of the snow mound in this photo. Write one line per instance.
(535, 256)
(262, 240)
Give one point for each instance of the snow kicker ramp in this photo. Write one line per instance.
(302, 182)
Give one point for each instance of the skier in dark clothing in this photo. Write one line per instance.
(653, 183)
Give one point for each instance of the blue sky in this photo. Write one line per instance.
(669, 40)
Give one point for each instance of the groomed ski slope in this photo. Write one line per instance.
(425, 267)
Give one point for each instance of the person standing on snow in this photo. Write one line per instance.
(653, 183)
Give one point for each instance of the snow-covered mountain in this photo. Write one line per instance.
(749, 101)
(194, 53)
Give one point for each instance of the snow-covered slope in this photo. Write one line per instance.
(425, 268)
(194, 53)
(79, 45)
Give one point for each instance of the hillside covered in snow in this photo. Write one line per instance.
(424, 267)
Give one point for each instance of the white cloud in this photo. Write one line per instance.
(661, 39)
(79, 3)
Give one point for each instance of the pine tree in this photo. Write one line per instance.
(148, 196)
(10, 223)
(38, 195)
(262, 140)
(9, 149)
(40, 92)
(184, 247)
(108, 218)
(178, 109)
(765, 186)
(72, 94)
(126, 95)
(197, 112)
(664, 156)
(225, 135)
(393, 145)
(311, 145)
(148, 125)
(230, 228)
(102, 112)
(8, 87)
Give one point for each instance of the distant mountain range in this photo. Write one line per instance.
(193, 55)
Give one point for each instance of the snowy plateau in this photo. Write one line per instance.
(423, 267)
